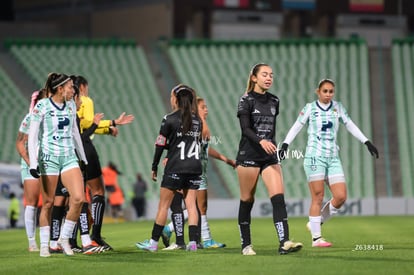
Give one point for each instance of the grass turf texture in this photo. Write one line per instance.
(361, 245)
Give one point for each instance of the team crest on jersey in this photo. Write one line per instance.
(273, 110)
(161, 140)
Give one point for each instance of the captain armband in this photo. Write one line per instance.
(161, 141)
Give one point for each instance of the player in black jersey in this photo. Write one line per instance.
(258, 154)
(180, 133)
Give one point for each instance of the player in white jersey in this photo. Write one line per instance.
(31, 185)
(53, 128)
(321, 162)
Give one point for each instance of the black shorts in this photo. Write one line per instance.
(263, 164)
(181, 181)
(93, 169)
(61, 190)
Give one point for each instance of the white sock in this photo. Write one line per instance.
(315, 225)
(171, 226)
(30, 215)
(67, 229)
(205, 229)
(44, 232)
(185, 212)
(328, 210)
(86, 240)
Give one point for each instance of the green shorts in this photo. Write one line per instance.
(55, 165)
(324, 168)
(25, 172)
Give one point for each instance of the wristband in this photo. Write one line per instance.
(113, 123)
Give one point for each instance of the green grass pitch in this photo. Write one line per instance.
(361, 245)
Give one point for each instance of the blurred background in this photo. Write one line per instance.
(134, 52)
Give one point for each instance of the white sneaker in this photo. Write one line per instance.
(248, 251)
(321, 243)
(290, 246)
(33, 247)
(44, 251)
(175, 246)
(67, 249)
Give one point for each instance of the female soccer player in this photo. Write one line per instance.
(322, 161)
(94, 171)
(206, 239)
(53, 128)
(180, 132)
(257, 155)
(31, 185)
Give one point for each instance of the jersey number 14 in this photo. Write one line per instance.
(193, 151)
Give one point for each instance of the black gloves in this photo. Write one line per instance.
(372, 149)
(35, 172)
(282, 152)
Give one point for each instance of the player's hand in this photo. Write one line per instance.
(124, 119)
(268, 146)
(231, 162)
(97, 118)
(282, 151)
(35, 172)
(372, 149)
(113, 131)
(154, 175)
(164, 162)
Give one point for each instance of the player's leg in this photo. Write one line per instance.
(248, 177)
(166, 197)
(273, 180)
(31, 190)
(190, 197)
(177, 219)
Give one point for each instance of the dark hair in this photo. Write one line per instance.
(186, 101)
(253, 71)
(79, 80)
(55, 80)
(325, 80)
(75, 86)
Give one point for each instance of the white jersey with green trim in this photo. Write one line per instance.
(56, 126)
(323, 124)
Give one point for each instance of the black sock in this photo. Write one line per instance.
(83, 220)
(156, 231)
(244, 221)
(280, 219)
(177, 218)
(193, 233)
(58, 212)
(98, 209)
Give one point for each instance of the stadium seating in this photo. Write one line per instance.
(218, 71)
(119, 80)
(403, 66)
(13, 108)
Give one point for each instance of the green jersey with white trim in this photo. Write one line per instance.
(56, 127)
(323, 126)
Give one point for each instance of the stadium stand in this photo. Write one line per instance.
(14, 107)
(403, 65)
(119, 80)
(218, 71)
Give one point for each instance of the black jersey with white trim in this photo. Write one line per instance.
(183, 149)
(262, 110)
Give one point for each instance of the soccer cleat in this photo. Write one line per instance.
(192, 246)
(64, 243)
(44, 251)
(166, 235)
(93, 248)
(320, 242)
(213, 244)
(146, 245)
(76, 249)
(175, 246)
(56, 250)
(289, 247)
(33, 247)
(248, 251)
(101, 242)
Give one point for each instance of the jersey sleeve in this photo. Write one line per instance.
(243, 107)
(343, 114)
(304, 114)
(160, 143)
